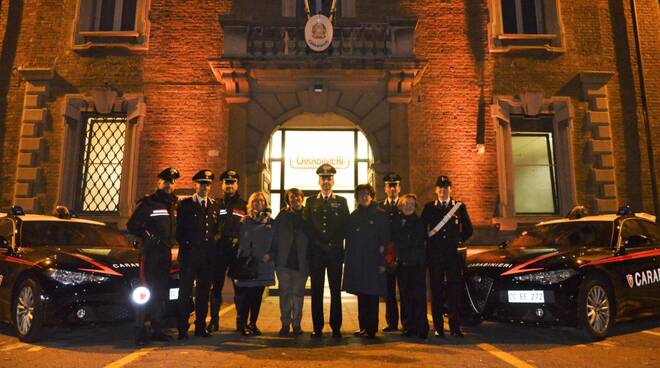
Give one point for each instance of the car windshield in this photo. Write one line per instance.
(566, 235)
(61, 233)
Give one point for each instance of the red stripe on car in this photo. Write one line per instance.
(626, 257)
(521, 267)
(101, 267)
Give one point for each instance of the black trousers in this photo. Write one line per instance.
(391, 307)
(196, 268)
(155, 267)
(412, 288)
(318, 266)
(248, 302)
(222, 262)
(368, 313)
(445, 278)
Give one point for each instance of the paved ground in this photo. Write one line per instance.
(633, 344)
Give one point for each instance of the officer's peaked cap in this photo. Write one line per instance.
(229, 175)
(326, 170)
(204, 176)
(443, 182)
(392, 177)
(170, 174)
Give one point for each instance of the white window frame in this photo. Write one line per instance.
(134, 107)
(533, 104)
(87, 23)
(548, 15)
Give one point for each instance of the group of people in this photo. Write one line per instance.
(368, 252)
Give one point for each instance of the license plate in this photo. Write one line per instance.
(174, 293)
(526, 296)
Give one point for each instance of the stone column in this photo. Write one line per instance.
(399, 96)
(237, 96)
(594, 85)
(31, 145)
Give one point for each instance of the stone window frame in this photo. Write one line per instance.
(533, 104)
(76, 106)
(136, 40)
(552, 41)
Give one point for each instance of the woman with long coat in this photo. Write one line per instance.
(364, 264)
(255, 239)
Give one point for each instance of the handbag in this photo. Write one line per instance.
(244, 268)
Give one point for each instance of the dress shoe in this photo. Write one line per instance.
(160, 336)
(390, 329)
(370, 335)
(457, 333)
(183, 336)
(213, 326)
(297, 331)
(317, 334)
(439, 334)
(202, 333)
(284, 331)
(336, 334)
(423, 335)
(360, 332)
(254, 330)
(246, 332)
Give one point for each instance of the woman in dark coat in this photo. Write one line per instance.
(256, 239)
(364, 263)
(408, 237)
(290, 245)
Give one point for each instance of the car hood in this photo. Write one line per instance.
(108, 261)
(517, 260)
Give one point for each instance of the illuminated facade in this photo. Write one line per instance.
(530, 107)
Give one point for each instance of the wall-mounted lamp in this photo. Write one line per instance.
(318, 88)
(481, 148)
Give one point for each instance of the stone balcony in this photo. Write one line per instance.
(355, 39)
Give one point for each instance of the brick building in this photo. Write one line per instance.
(530, 106)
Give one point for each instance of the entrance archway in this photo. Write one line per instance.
(308, 140)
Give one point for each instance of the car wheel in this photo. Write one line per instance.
(595, 308)
(27, 311)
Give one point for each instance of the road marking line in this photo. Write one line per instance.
(36, 348)
(130, 358)
(504, 356)
(496, 352)
(14, 346)
(144, 351)
(651, 333)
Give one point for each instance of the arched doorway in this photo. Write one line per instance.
(306, 141)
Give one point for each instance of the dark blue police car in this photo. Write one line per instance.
(56, 269)
(583, 271)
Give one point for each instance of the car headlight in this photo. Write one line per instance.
(547, 277)
(141, 295)
(75, 278)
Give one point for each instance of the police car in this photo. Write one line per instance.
(583, 271)
(56, 269)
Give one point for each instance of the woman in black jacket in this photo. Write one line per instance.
(409, 245)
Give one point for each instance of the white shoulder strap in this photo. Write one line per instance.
(445, 219)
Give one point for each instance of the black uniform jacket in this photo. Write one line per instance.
(231, 211)
(197, 227)
(409, 239)
(456, 231)
(327, 221)
(154, 220)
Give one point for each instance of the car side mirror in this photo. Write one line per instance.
(637, 241)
